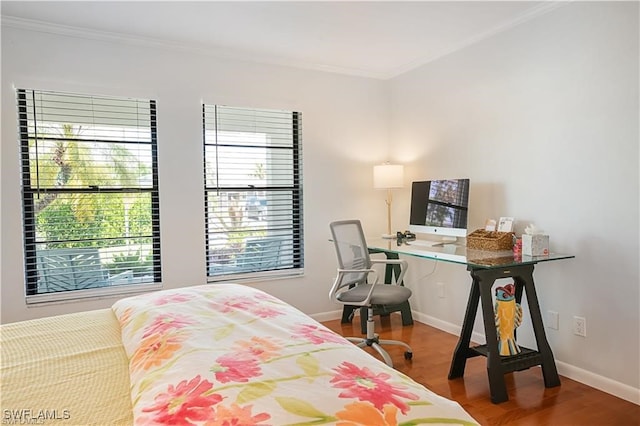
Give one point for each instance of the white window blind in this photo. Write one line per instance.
(90, 191)
(253, 192)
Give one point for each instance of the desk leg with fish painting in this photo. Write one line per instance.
(497, 365)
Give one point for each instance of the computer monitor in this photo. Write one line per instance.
(439, 208)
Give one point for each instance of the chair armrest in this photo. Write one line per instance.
(356, 270)
(338, 284)
(403, 266)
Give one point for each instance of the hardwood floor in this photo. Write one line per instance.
(530, 403)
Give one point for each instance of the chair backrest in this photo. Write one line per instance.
(351, 249)
(260, 254)
(70, 269)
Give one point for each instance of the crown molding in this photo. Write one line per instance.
(200, 49)
(91, 34)
(534, 12)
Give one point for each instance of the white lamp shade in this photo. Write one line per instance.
(387, 176)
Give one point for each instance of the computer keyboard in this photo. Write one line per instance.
(424, 243)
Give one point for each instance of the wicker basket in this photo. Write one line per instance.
(490, 240)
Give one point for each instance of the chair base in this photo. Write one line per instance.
(376, 344)
(348, 312)
(373, 341)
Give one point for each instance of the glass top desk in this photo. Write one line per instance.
(485, 268)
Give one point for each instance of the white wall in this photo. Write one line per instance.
(345, 131)
(544, 120)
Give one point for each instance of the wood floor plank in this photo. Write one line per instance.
(530, 403)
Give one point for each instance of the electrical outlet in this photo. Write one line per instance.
(552, 320)
(580, 326)
(440, 290)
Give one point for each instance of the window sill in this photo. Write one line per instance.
(257, 276)
(94, 293)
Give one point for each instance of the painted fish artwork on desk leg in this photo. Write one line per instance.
(508, 315)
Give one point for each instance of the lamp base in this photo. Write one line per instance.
(389, 236)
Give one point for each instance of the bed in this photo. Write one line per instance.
(206, 355)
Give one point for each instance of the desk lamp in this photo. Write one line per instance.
(388, 176)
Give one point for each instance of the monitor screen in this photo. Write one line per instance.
(440, 207)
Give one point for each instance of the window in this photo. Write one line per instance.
(89, 191)
(253, 192)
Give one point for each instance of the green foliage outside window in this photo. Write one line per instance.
(88, 219)
(135, 262)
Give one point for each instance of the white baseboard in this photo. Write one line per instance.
(596, 381)
(446, 326)
(612, 387)
(327, 316)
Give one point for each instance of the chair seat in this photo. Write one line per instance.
(382, 295)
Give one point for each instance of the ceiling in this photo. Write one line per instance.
(378, 39)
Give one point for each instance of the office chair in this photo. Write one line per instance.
(351, 285)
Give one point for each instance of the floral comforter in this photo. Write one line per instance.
(227, 354)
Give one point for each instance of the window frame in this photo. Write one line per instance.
(29, 192)
(296, 188)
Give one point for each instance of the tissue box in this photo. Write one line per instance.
(535, 245)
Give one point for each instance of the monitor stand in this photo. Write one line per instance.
(445, 241)
(449, 240)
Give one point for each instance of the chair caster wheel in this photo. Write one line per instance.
(408, 355)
